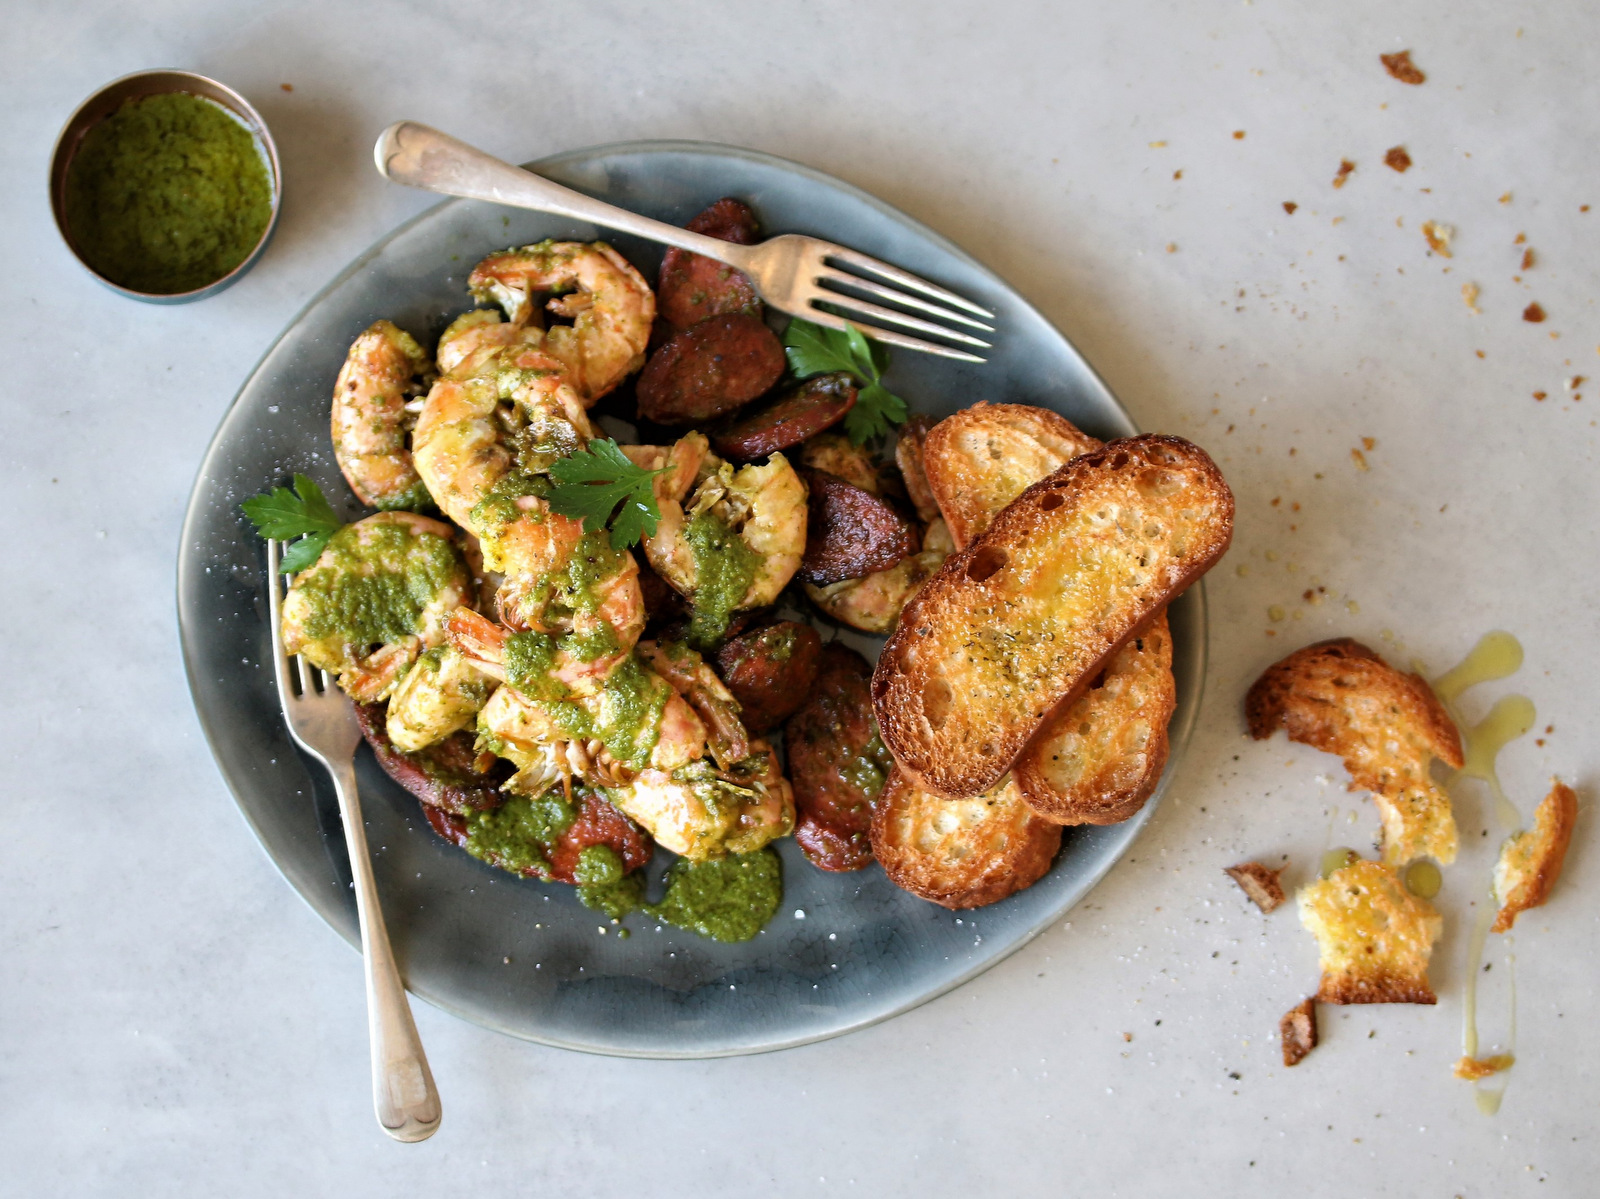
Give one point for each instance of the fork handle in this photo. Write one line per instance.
(418, 155)
(403, 1092)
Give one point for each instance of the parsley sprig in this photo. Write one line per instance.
(304, 513)
(592, 483)
(814, 350)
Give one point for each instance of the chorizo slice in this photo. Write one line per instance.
(770, 672)
(445, 777)
(837, 762)
(850, 533)
(800, 412)
(709, 369)
(692, 287)
(598, 822)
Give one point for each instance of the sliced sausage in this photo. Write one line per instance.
(597, 822)
(710, 369)
(443, 776)
(692, 287)
(802, 411)
(770, 672)
(837, 763)
(850, 533)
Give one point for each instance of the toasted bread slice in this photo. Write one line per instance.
(1017, 625)
(1375, 937)
(1097, 762)
(1341, 697)
(985, 456)
(1530, 862)
(960, 853)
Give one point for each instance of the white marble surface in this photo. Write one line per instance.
(173, 1021)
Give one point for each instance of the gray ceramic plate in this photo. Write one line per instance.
(845, 950)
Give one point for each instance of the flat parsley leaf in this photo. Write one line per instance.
(814, 350)
(304, 513)
(590, 485)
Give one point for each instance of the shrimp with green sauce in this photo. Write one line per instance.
(611, 306)
(727, 538)
(375, 600)
(382, 374)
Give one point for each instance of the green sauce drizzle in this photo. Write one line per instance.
(730, 899)
(517, 835)
(167, 194)
(380, 579)
(724, 568)
(603, 885)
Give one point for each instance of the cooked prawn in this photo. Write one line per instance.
(376, 598)
(702, 814)
(441, 693)
(763, 506)
(382, 371)
(691, 678)
(612, 306)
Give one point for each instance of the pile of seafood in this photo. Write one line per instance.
(559, 699)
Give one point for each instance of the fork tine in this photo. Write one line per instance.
(840, 300)
(280, 659)
(900, 297)
(905, 279)
(889, 337)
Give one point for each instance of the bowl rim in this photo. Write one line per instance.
(105, 100)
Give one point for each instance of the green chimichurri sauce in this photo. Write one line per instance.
(374, 582)
(530, 658)
(498, 507)
(625, 716)
(603, 884)
(167, 194)
(517, 835)
(728, 900)
(724, 568)
(868, 771)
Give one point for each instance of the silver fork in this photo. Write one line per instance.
(793, 273)
(323, 724)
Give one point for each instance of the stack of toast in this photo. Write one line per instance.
(1028, 684)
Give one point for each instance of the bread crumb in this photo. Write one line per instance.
(1374, 937)
(1574, 383)
(1506, 199)
(1157, 145)
(1359, 459)
(1258, 882)
(1519, 239)
(1397, 159)
(288, 87)
(1172, 247)
(1469, 293)
(1369, 443)
(1298, 1032)
(1178, 174)
(1530, 862)
(1345, 167)
(1289, 206)
(1238, 135)
(1527, 258)
(1402, 68)
(1539, 395)
(1533, 313)
(1474, 1068)
(1438, 237)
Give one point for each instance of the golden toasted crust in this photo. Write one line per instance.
(1017, 625)
(1375, 936)
(1260, 883)
(1298, 1031)
(1530, 862)
(1099, 760)
(1341, 697)
(985, 456)
(960, 853)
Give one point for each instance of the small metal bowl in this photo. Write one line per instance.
(151, 83)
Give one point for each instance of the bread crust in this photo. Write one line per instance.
(960, 853)
(1013, 628)
(1100, 759)
(1298, 1031)
(979, 460)
(1340, 697)
(1260, 883)
(1530, 862)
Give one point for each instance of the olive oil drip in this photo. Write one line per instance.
(1497, 655)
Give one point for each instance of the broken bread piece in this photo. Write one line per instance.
(1474, 1069)
(960, 853)
(1259, 882)
(1020, 623)
(1530, 862)
(979, 460)
(1298, 1032)
(1375, 937)
(1340, 697)
(1098, 761)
